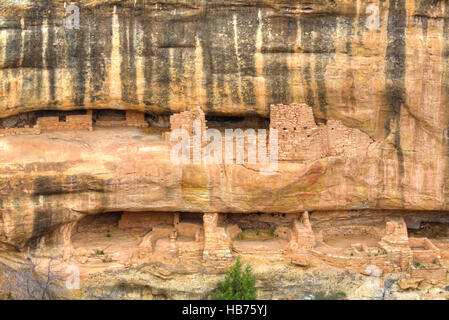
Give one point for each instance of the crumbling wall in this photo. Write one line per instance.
(344, 140)
(186, 120)
(433, 273)
(144, 220)
(132, 119)
(300, 138)
(74, 122)
(20, 131)
(356, 264)
(424, 251)
(217, 243)
(302, 236)
(146, 246)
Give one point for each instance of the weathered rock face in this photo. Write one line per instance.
(368, 63)
(378, 67)
(376, 71)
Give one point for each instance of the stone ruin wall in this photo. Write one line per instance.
(132, 119)
(74, 122)
(138, 220)
(186, 121)
(213, 240)
(301, 139)
(299, 136)
(27, 130)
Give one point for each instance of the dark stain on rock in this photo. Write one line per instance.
(76, 57)
(226, 59)
(83, 183)
(162, 77)
(204, 32)
(13, 47)
(347, 24)
(70, 184)
(127, 52)
(1, 214)
(395, 74)
(279, 39)
(33, 54)
(180, 42)
(42, 219)
(317, 40)
(50, 55)
(99, 50)
(310, 97)
(148, 53)
(395, 57)
(422, 11)
(12, 59)
(219, 58)
(32, 46)
(46, 186)
(247, 31)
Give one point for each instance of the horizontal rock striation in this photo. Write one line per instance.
(364, 64)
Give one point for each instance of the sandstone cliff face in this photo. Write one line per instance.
(365, 63)
(387, 80)
(379, 67)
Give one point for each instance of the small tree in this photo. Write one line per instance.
(238, 284)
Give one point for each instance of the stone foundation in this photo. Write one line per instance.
(217, 235)
(214, 238)
(132, 119)
(20, 131)
(301, 139)
(146, 220)
(72, 123)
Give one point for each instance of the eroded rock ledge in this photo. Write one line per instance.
(60, 175)
(84, 154)
(100, 191)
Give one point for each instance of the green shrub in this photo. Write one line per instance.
(238, 284)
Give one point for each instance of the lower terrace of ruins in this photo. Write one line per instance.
(387, 240)
(358, 241)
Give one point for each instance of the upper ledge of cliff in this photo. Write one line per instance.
(356, 63)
